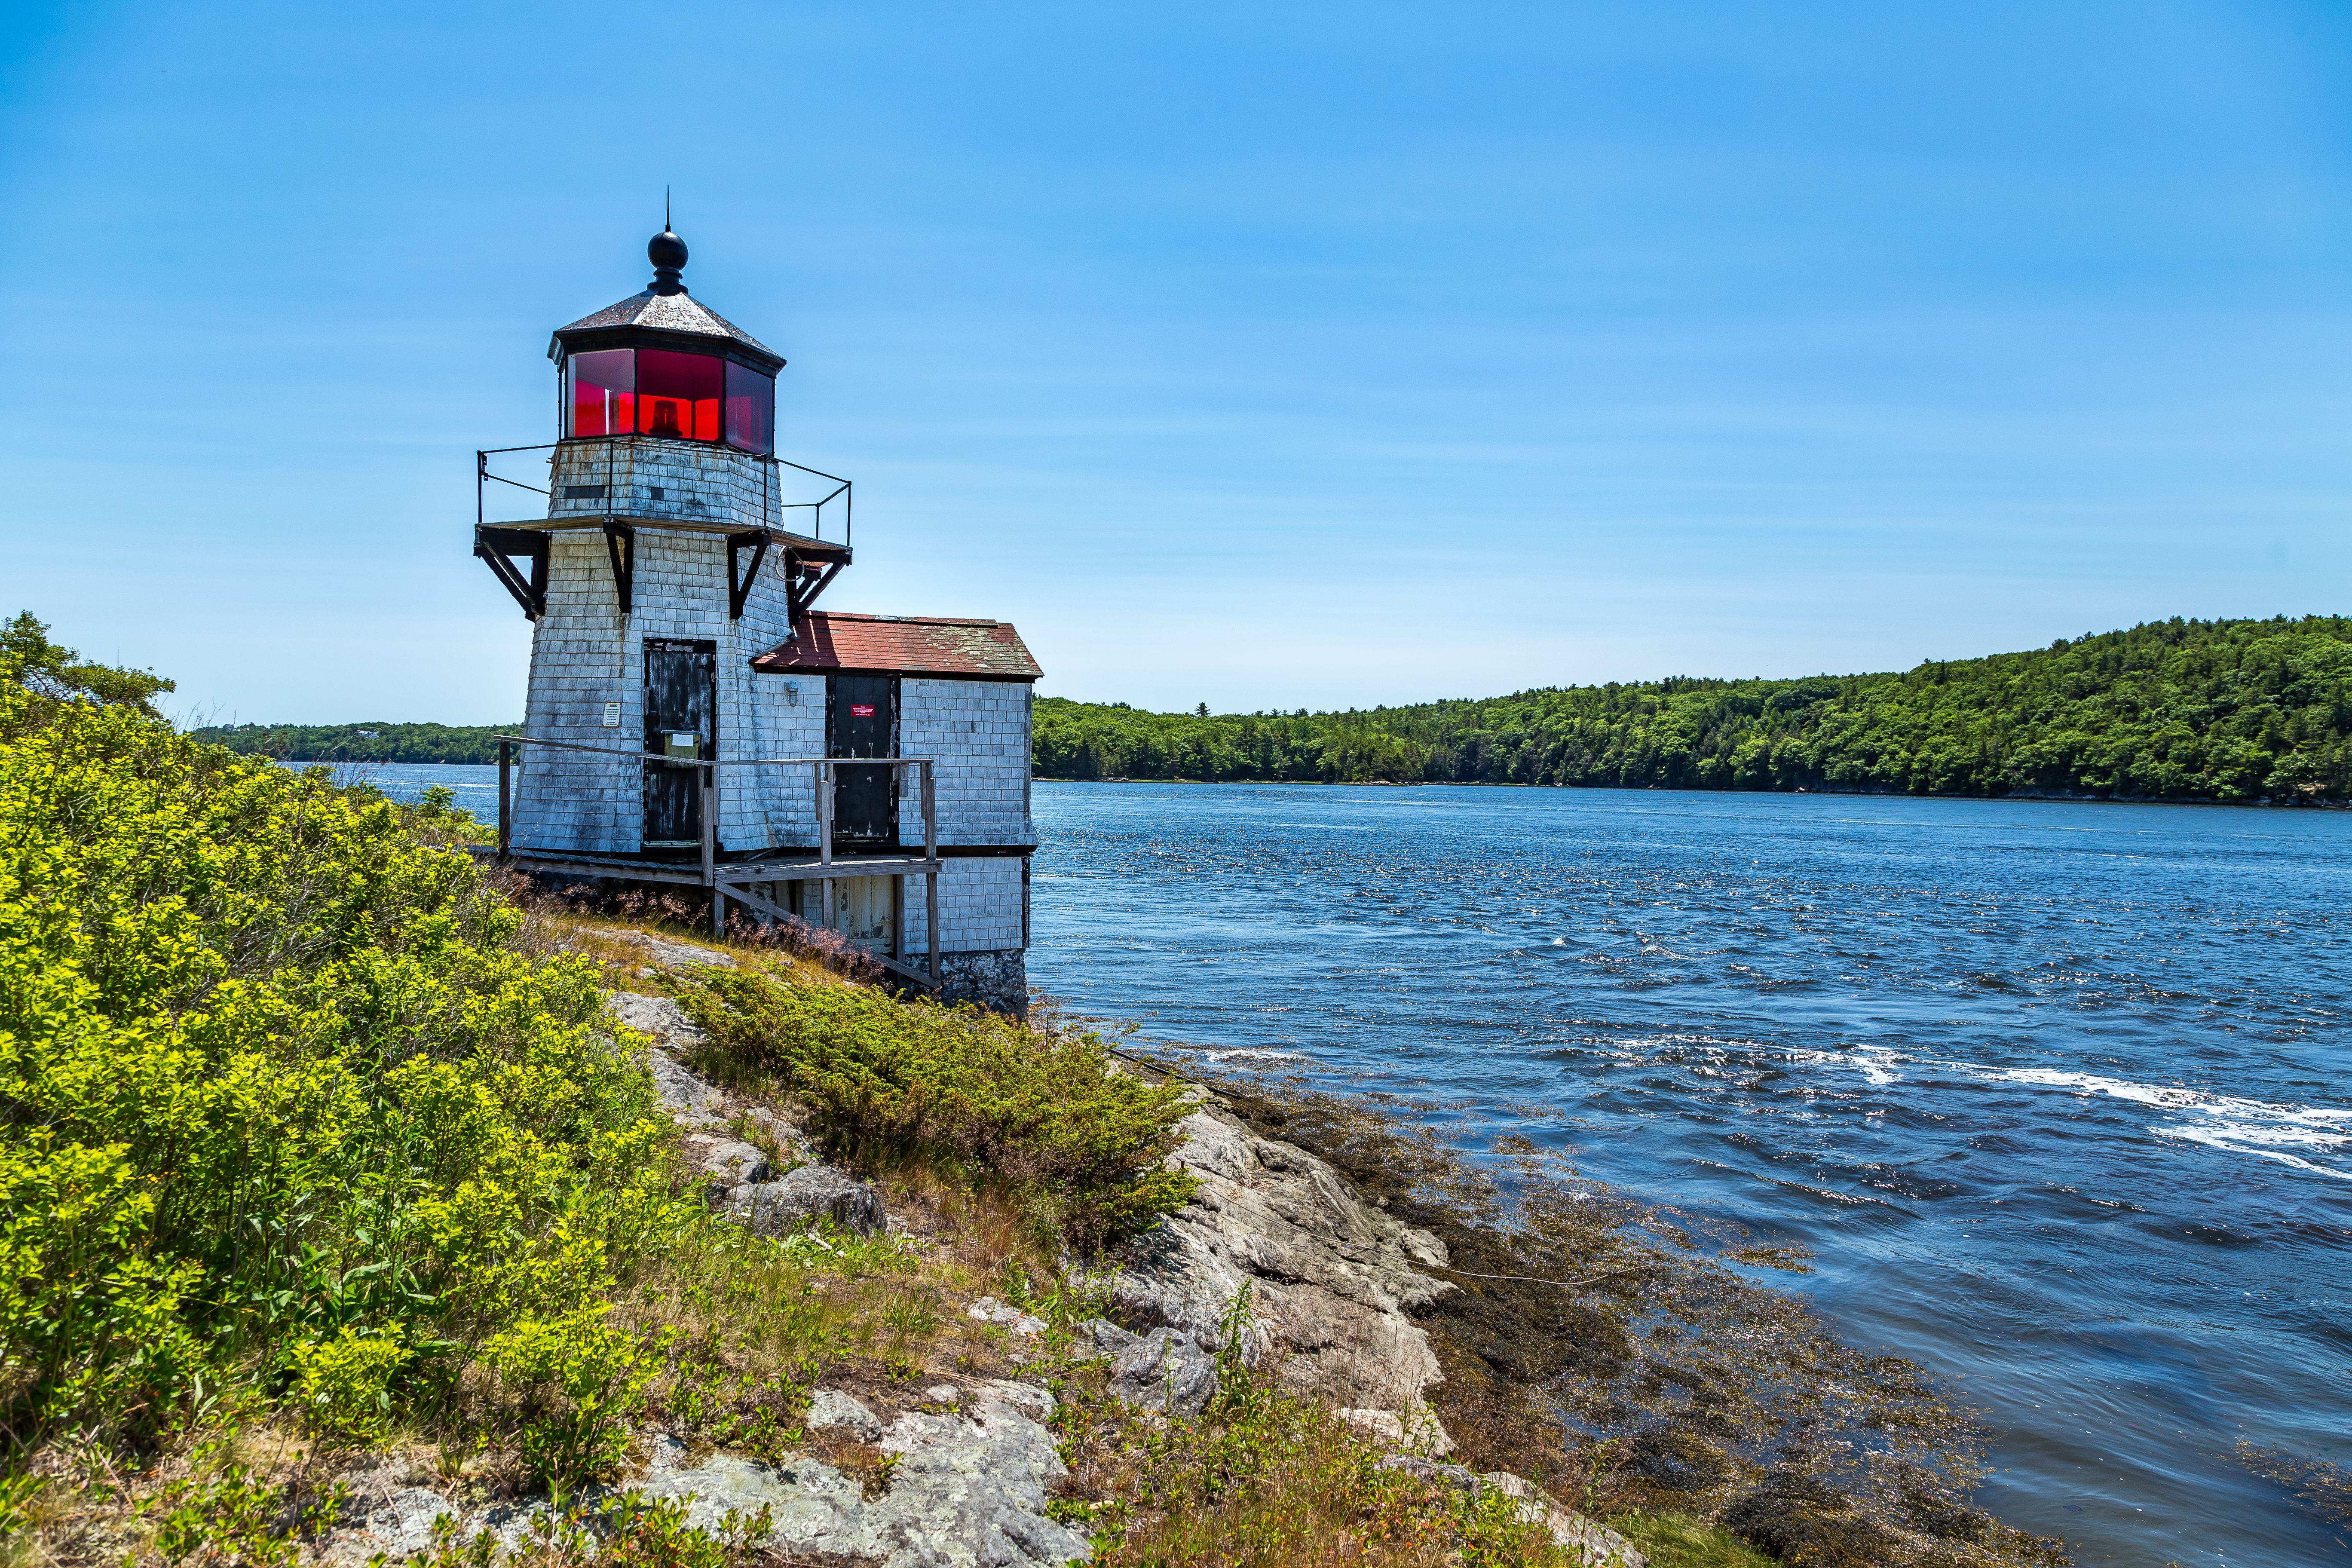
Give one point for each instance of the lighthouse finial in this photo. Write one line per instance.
(667, 252)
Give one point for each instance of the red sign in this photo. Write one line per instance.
(861, 711)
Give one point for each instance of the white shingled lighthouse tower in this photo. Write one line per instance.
(692, 719)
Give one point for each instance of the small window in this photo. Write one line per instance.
(603, 389)
(750, 409)
(678, 395)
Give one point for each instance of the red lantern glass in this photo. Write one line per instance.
(678, 394)
(750, 409)
(604, 392)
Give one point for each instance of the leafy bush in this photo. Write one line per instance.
(1047, 1114)
(579, 1381)
(278, 1093)
(227, 1514)
(346, 1383)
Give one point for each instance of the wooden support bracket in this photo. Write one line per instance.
(739, 580)
(621, 546)
(499, 548)
(808, 594)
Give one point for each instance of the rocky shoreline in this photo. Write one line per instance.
(971, 1462)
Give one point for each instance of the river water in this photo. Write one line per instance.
(2055, 1093)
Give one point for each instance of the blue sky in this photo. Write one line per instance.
(1258, 356)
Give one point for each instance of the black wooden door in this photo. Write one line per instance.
(681, 720)
(862, 720)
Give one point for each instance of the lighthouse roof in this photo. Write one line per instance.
(903, 645)
(667, 313)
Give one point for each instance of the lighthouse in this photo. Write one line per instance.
(692, 718)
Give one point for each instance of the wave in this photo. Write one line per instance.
(2298, 1136)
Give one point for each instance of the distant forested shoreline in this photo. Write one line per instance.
(372, 741)
(2234, 712)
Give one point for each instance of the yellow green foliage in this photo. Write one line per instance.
(1047, 1113)
(345, 1384)
(281, 1102)
(577, 1381)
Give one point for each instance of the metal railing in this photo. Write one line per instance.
(824, 868)
(772, 506)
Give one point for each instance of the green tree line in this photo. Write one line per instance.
(372, 741)
(2225, 711)
(2178, 710)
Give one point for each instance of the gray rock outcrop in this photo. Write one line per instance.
(726, 1164)
(1164, 1369)
(971, 1488)
(1332, 1277)
(969, 1491)
(1107, 1337)
(809, 1194)
(830, 1409)
(1593, 1544)
(1011, 1318)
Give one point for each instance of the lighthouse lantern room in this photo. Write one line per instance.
(692, 718)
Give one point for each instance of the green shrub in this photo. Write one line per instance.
(579, 1381)
(1275, 1480)
(226, 1514)
(1047, 1114)
(346, 1383)
(275, 1087)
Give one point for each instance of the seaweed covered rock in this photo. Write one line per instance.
(1807, 1523)
(1677, 1459)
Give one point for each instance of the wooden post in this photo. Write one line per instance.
(825, 813)
(506, 790)
(931, 877)
(898, 918)
(710, 848)
(825, 837)
(931, 923)
(931, 817)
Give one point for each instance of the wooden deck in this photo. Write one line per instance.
(733, 880)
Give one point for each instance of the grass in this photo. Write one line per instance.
(1678, 1541)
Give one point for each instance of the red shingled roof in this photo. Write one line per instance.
(904, 644)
